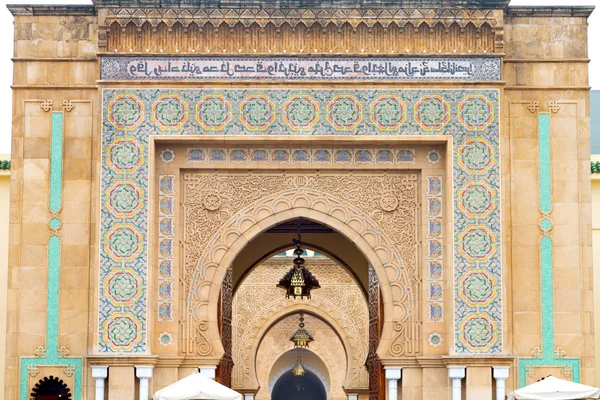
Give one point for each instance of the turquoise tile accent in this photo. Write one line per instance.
(546, 224)
(53, 294)
(53, 356)
(56, 163)
(54, 223)
(547, 293)
(546, 356)
(545, 170)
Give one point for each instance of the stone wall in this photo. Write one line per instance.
(54, 111)
(546, 98)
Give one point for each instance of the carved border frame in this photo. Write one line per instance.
(464, 313)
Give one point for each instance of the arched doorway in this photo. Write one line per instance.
(263, 321)
(307, 387)
(336, 315)
(51, 388)
(386, 237)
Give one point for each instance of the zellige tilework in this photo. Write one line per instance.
(131, 116)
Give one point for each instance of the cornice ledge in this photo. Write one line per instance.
(443, 361)
(320, 16)
(47, 10)
(421, 361)
(122, 361)
(155, 360)
(307, 4)
(189, 362)
(479, 360)
(555, 11)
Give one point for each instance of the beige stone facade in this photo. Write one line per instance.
(4, 205)
(437, 159)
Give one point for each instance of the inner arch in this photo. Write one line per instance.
(308, 387)
(310, 361)
(315, 237)
(259, 307)
(381, 256)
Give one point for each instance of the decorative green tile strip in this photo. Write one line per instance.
(545, 169)
(56, 163)
(5, 165)
(547, 356)
(595, 167)
(52, 355)
(547, 294)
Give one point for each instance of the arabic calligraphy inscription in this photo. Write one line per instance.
(290, 68)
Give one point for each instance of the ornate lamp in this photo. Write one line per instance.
(301, 337)
(298, 370)
(299, 281)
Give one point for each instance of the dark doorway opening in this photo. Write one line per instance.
(307, 387)
(51, 388)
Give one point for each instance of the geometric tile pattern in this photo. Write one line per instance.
(167, 156)
(435, 339)
(132, 116)
(300, 156)
(435, 250)
(434, 157)
(166, 250)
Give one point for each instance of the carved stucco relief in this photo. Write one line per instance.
(258, 298)
(380, 207)
(327, 346)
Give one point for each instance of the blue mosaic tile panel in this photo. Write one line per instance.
(435, 253)
(131, 116)
(300, 156)
(166, 254)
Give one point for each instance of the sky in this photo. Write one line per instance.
(6, 51)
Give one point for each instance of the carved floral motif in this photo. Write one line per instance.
(247, 191)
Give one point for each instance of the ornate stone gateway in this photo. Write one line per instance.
(322, 113)
(391, 200)
(165, 154)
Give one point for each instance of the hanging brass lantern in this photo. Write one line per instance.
(299, 281)
(298, 370)
(301, 337)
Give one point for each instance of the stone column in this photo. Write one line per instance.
(456, 374)
(353, 396)
(143, 373)
(208, 371)
(500, 375)
(392, 375)
(99, 373)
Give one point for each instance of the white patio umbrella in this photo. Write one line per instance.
(196, 387)
(553, 388)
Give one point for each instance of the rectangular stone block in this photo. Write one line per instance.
(412, 383)
(121, 383)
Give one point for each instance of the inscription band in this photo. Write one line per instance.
(300, 69)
